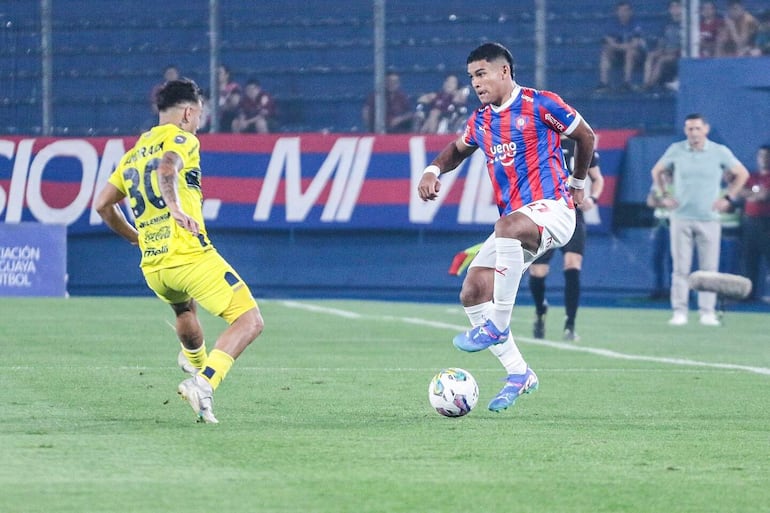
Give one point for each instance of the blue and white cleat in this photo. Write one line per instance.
(515, 385)
(480, 337)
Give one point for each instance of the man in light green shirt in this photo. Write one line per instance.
(699, 167)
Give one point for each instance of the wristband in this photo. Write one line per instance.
(432, 169)
(577, 183)
(594, 199)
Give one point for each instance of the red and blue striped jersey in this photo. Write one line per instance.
(521, 141)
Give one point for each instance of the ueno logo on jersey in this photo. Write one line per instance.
(504, 153)
(555, 122)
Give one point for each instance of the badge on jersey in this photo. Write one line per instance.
(180, 139)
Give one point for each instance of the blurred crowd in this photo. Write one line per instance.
(647, 57)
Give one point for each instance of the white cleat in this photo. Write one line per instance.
(679, 319)
(198, 393)
(185, 365)
(709, 319)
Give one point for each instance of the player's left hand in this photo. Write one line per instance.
(428, 187)
(588, 203)
(186, 222)
(578, 196)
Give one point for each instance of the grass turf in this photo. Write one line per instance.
(327, 412)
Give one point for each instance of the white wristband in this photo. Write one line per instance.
(577, 183)
(433, 169)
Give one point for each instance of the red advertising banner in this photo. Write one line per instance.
(278, 181)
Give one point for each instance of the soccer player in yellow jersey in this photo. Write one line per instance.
(161, 177)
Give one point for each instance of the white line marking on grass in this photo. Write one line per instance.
(321, 309)
(607, 353)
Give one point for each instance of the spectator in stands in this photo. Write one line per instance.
(170, 73)
(756, 222)
(762, 46)
(740, 31)
(227, 86)
(399, 114)
(444, 111)
(698, 166)
(712, 27)
(257, 110)
(660, 237)
(229, 112)
(623, 45)
(662, 61)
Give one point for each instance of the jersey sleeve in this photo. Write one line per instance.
(182, 143)
(666, 159)
(556, 113)
(469, 137)
(729, 160)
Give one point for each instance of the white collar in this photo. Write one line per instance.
(507, 103)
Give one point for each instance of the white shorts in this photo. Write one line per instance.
(557, 224)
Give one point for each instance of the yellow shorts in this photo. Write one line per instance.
(210, 281)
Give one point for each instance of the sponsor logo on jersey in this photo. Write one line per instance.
(555, 122)
(504, 153)
(151, 252)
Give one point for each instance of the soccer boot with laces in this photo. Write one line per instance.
(515, 385)
(199, 395)
(480, 337)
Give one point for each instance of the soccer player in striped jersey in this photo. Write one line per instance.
(161, 176)
(518, 129)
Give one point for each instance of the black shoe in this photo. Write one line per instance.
(538, 330)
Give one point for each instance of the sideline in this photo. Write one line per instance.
(564, 346)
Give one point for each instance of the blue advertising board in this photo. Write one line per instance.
(33, 259)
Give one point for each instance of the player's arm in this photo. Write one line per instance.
(106, 204)
(738, 177)
(449, 158)
(597, 185)
(659, 171)
(168, 178)
(585, 141)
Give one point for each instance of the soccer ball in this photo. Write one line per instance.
(453, 392)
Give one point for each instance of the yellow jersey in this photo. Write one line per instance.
(163, 243)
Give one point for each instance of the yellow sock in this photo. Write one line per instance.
(216, 368)
(197, 357)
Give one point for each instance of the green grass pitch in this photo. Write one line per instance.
(327, 412)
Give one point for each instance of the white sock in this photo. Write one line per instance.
(478, 314)
(509, 355)
(509, 265)
(508, 352)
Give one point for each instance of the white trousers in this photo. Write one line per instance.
(687, 235)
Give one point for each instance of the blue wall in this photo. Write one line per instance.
(373, 265)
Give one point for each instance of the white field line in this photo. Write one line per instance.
(607, 353)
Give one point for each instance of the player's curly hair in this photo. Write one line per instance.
(491, 52)
(176, 92)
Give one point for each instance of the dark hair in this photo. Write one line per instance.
(765, 147)
(177, 92)
(696, 115)
(491, 52)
